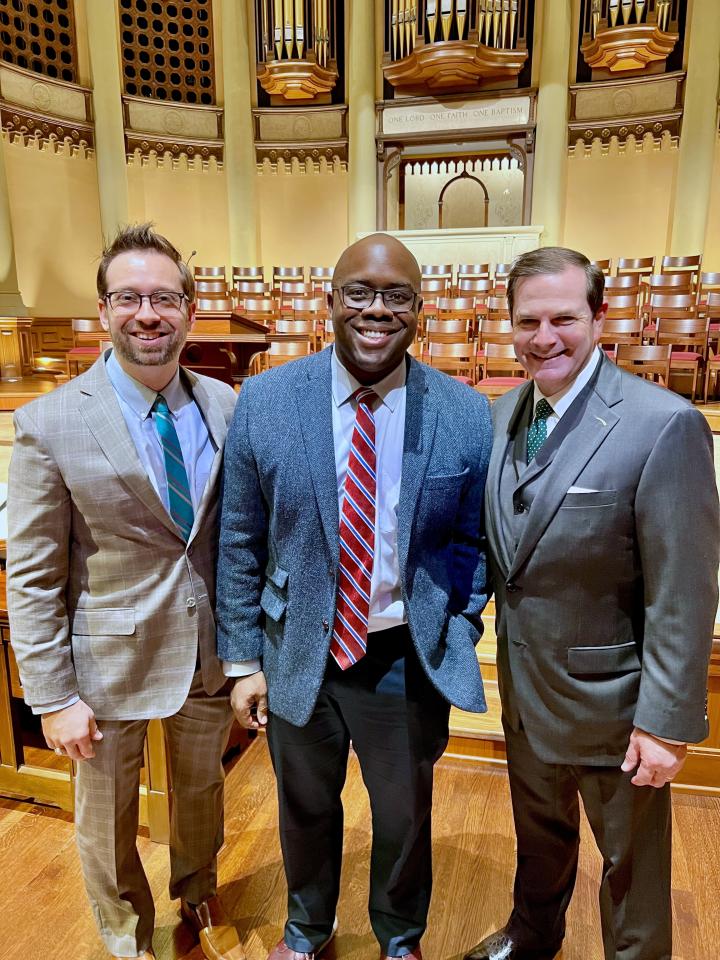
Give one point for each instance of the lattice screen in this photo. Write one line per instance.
(40, 36)
(167, 50)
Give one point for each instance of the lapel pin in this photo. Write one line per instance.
(601, 421)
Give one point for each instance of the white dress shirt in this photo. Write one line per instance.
(386, 604)
(562, 400)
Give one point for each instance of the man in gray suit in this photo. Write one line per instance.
(602, 517)
(111, 568)
(351, 580)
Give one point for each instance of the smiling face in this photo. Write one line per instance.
(554, 330)
(147, 345)
(371, 342)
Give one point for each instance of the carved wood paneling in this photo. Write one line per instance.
(316, 134)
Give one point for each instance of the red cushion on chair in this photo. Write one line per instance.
(468, 380)
(689, 356)
(500, 382)
(84, 352)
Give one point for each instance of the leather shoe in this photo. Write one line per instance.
(218, 937)
(281, 951)
(415, 954)
(148, 955)
(501, 946)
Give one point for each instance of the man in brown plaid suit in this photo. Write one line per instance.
(111, 569)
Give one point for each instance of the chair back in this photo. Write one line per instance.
(496, 331)
(498, 308)
(668, 283)
(279, 353)
(621, 330)
(641, 265)
(622, 307)
(501, 356)
(476, 271)
(264, 309)
(646, 361)
(299, 328)
(214, 305)
(209, 273)
(604, 265)
(448, 331)
(247, 274)
(690, 264)
(211, 289)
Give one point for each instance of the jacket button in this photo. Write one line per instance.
(519, 508)
(325, 624)
(511, 586)
(190, 603)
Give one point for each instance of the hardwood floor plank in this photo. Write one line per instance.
(46, 915)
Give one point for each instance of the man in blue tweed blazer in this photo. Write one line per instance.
(287, 590)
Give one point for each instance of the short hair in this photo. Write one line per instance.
(556, 260)
(142, 236)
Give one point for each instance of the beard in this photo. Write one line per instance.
(150, 353)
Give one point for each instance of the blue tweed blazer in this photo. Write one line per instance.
(279, 542)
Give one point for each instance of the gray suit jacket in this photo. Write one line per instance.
(105, 598)
(606, 605)
(279, 543)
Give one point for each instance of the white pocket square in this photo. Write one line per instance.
(582, 490)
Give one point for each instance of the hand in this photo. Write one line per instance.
(72, 731)
(657, 762)
(249, 700)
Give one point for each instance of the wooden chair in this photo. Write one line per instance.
(211, 289)
(708, 283)
(501, 356)
(617, 330)
(659, 283)
(500, 277)
(626, 284)
(456, 357)
(300, 329)
(711, 310)
(640, 265)
(691, 265)
(286, 275)
(319, 277)
(712, 369)
(263, 310)
(290, 290)
(327, 333)
(416, 349)
(279, 353)
(671, 306)
(623, 308)
(604, 265)
(688, 338)
(497, 308)
(214, 305)
(437, 271)
(646, 361)
(431, 289)
(448, 331)
(474, 271)
(254, 289)
(88, 334)
(492, 331)
(247, 275)
(209, 273)
(309, 308)
(456, 308)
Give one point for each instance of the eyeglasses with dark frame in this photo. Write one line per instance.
(358, 296)
(163, 302)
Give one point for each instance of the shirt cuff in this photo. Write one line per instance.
(243, 668)
(673, 743)
(58, 705)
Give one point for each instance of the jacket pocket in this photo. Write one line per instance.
(619, 658)
(273, 604)
(108, 621)
(598, 498)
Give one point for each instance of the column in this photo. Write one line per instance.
(699, 131)
(104, 45)
(551, 149)
(362, 187)
(11, 304)
(240, 164)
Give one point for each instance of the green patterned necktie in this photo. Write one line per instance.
(537, 434)
(181, 508)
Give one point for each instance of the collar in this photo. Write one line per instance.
(561, 401)
(139, 397)
(388, 389)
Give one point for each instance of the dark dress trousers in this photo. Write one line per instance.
(604, 553)
(277, 582)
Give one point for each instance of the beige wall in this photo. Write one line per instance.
(187, 205)
(711, 258)
(303, 218)
(54, 207)
(618, 205)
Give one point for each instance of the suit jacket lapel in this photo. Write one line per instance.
(314, 401)
(588, 427)
(420, 423)
(102, 414)
(505, 428)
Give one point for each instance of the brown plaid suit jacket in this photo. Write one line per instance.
(105, 598)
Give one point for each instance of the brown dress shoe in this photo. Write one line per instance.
(281, 951)
(218, 937)
(415, 954)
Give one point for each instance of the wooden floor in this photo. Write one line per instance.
(44, 914)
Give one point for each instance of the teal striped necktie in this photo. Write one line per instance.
(181, 508)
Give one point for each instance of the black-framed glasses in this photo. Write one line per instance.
(358, 296)
(163, 302)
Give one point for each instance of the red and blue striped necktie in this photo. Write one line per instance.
(357, 538)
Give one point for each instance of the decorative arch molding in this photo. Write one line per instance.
(464, 175)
